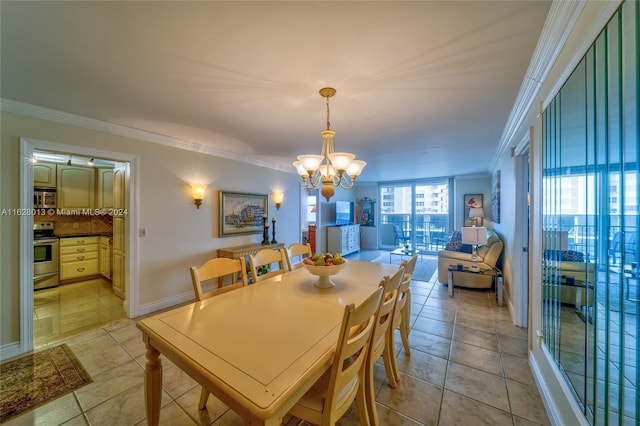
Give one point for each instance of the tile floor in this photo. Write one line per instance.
(72, 309)
(467, 366)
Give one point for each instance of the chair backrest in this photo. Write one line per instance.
(267, 257)
(384, 319)
(351, 352)
(300, 251)
(409, 265)
(218, 267)
(399, 233)
(401, 301)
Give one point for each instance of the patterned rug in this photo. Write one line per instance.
(425, 266)
(33, 380)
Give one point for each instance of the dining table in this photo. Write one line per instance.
(258, 348)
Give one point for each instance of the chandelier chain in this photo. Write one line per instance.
(328, 122)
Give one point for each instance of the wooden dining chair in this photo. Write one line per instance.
(399, 321)
(297, 251)
(405, 325)
(267, 258)
(331, 396)
(379, 340)
(217, 268)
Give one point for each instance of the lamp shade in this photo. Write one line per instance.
(476, 212)
(474, 235)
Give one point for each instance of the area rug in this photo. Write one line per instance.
(425, 266)
(36, 379)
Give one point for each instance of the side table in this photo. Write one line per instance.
(495, 273)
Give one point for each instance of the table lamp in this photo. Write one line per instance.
(475, 236)
(475, 215)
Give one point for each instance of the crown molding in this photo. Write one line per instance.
(34, 111)
(557, 27)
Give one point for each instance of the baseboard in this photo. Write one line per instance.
(169, 302)
(553, 411)
(9, 350)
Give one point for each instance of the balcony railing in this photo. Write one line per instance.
(428, 232)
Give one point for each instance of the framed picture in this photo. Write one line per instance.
(471, 201)
(495, 197)
(241, 213)
(367, 213)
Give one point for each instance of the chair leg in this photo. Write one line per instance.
(389, 357)
(404, 334)
(204, 396)
(371, 411)
(366, 402)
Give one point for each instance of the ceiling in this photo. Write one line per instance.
(424, 89)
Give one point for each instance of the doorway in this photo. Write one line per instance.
(128, 273)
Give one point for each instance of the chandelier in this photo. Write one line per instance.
(330, 168)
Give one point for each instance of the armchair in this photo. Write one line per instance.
(488, 256)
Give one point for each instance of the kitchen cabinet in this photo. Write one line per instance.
(343, 239)
(104, 198)
(44, 175)
(79, 257)
(106, 257)
(119, 227)
(76, 187)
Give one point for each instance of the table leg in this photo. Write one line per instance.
(152, 384)
(499, 290)
(450, 283)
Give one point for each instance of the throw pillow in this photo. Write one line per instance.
(564, 255)
(454, 243)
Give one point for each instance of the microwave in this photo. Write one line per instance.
(44, 199)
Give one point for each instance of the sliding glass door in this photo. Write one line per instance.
(415, 214)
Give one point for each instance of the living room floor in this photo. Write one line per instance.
(468, 365)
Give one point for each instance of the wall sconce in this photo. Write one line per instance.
(198, 193)
(277, 199)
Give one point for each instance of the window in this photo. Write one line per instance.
(418, 212)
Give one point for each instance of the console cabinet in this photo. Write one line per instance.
(343, 239)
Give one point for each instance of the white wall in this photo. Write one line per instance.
(178, 234)
(472, 184)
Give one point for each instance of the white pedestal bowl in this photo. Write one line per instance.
(324, 273)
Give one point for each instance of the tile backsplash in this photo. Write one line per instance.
(79, 225)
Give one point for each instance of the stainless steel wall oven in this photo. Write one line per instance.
(45, 256)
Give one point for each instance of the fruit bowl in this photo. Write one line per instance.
(323, 273)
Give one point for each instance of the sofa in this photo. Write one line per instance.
(559, 265)
(457, 253)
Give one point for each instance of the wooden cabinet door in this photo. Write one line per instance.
(105, 188)
(76, 187)
(118, 276)
(44, 175)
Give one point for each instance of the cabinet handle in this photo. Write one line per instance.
(80, 241)
(80, 257)
(80, 269)
(80, 250)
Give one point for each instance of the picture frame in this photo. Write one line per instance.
(367, 215)
(495, 197)
(471, 201)
(241, 213)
